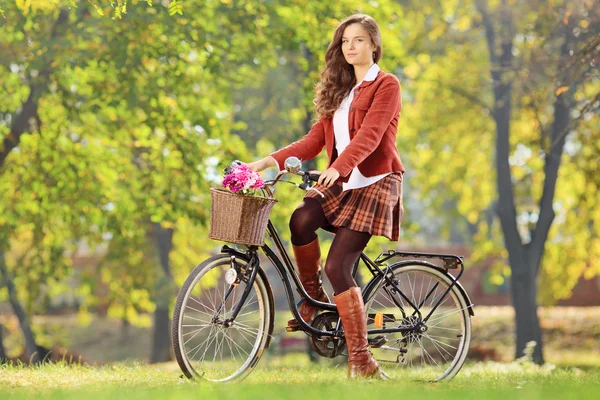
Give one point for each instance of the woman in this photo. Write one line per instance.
(358, 106)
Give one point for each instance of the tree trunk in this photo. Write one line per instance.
(161, 339)
(31, 348)
(523, 270)
(527, 324)
(525, 259)
(3, 356)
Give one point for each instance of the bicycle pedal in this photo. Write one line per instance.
(377, 341)
(292, 328)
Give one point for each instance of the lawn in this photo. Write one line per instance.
(521, 380)
(571, 348)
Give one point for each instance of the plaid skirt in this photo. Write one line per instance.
(376, 208)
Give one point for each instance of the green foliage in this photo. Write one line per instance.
(133, 123)
(137, 114)
(175, 7)
(448, 132)
(115, 8)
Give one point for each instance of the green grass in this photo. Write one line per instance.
(571, 336)
(521, 380)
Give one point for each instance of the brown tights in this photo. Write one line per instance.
(345, 249)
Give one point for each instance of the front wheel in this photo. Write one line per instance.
(207, 348)
(439, 350)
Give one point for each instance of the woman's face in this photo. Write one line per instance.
(357, 45)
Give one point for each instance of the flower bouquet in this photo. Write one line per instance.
(238, 215)
(240, 178)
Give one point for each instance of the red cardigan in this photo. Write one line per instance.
(373, 124)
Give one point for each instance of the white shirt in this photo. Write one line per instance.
(342, 135)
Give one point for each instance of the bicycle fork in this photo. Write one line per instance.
(233, 277)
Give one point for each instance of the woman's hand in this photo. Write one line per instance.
(328, 177)
(263, 164)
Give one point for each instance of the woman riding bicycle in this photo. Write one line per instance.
(358, 106)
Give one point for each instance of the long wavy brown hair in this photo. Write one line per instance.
(337, 78)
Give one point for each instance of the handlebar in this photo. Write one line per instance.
(293, 165)
(314, 176)
(307, 179)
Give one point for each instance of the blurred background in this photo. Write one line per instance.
(116, 117)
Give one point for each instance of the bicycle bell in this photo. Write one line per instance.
(234, 163)
(293, 164)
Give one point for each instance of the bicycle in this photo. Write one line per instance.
(418, 314)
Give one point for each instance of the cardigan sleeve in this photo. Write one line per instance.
(385, 106)
(306, 148)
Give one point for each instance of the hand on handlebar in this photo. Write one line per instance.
(328, 177)
(293, 165)
(307, 178)
(313, 175)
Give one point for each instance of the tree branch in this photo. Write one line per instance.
(502, 88)
(20, 123)
(490, 35)
(474, 99)
(560, 125)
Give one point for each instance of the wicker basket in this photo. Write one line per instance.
(237, 218)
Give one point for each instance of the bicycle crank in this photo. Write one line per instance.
(327, 346)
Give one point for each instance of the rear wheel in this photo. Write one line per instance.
(438, 350)
(205, 346)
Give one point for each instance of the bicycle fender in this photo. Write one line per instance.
(374, 283)
(234, 252)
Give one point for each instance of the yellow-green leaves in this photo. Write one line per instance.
(175, 7)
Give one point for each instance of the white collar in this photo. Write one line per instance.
(370, 76)
(372, 73)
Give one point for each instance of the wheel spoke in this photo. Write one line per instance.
(239, 348)
(195, 334)
(437, 339)
(198, 311)
(214, 351)
(426, 353)
(243, 333)
(228, 339)
(429, 289)
(441, 344)
(444, 328)
(194, 319)
(198, 347)
(446, 315)
(420, 293)
(446, 338)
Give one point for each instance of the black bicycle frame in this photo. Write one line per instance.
(451, 261)
(286, 269)
(251, 269)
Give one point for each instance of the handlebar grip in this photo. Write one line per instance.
(313, 177)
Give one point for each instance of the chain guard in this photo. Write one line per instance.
(327, 346)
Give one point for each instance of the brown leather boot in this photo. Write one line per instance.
(308, 261)
(354, 320)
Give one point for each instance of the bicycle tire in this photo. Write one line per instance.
(448, 317)
(201, 306)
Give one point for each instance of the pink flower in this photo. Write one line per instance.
(242, 178)
(258, 184)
